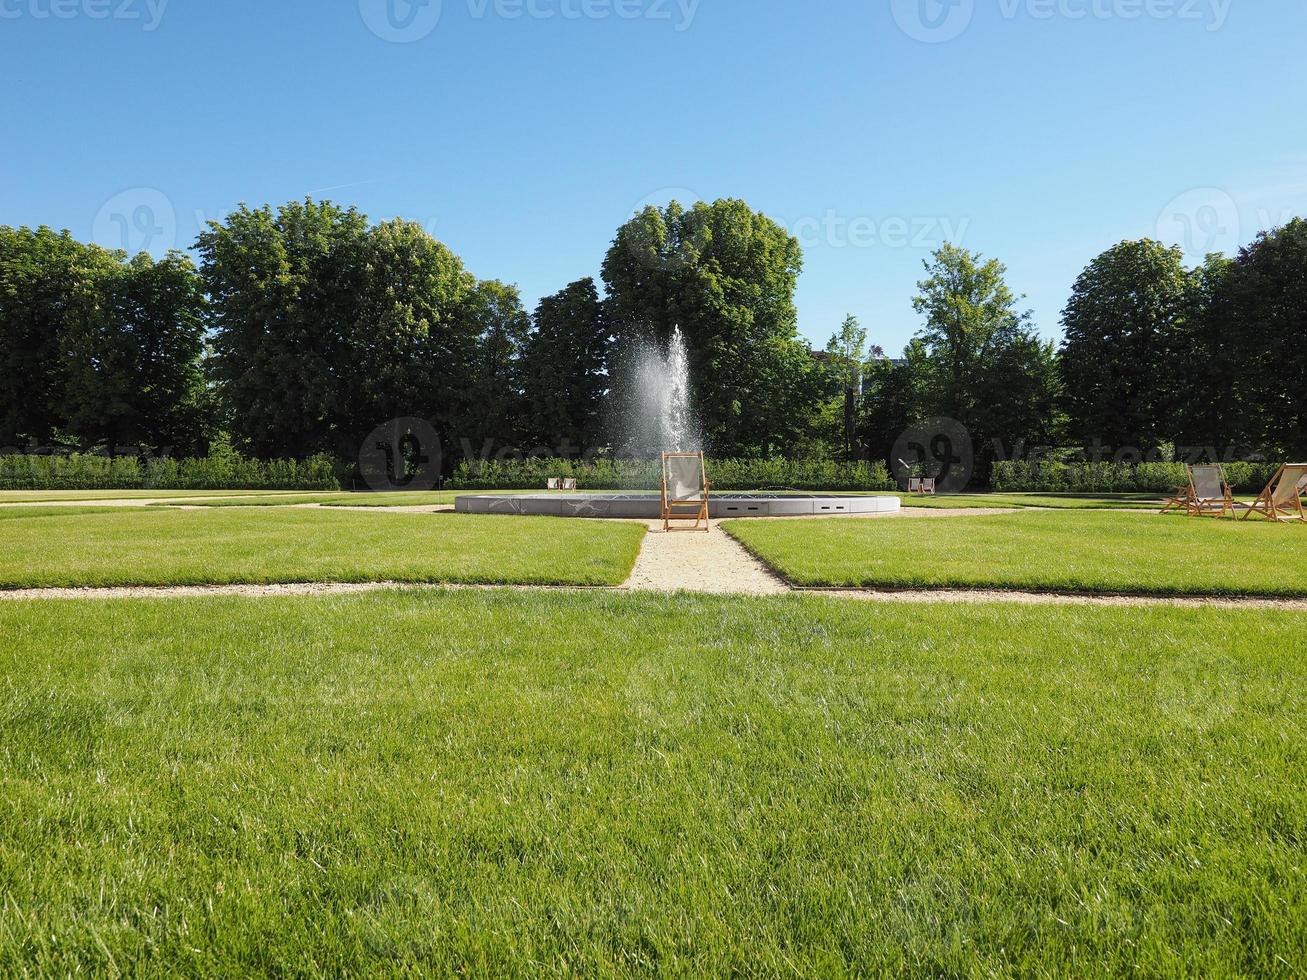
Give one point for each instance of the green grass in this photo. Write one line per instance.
(509, 784)
(412, 498)
(184, 547)
(39, 496)
(1081, 551)
(1054, 501)
(67, 510)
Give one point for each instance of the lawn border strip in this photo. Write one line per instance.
(905, 596)
(988, 594)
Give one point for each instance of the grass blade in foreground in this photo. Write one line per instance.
(1073, 551)
(525, 784)
(145, 546)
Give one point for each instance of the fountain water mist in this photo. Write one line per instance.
(664, 418)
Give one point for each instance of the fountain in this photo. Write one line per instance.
(656, 414)
(659, 418)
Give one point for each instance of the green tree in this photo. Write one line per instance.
(1203, 360)
(47, 279)
(846, 355)
(1122, 327)
(978, 360)
(1267, 295)
(412, 348)
(565, 370)
(284, 292)
(130, 359)
(889, 406)
(726, 276)
(492, 414)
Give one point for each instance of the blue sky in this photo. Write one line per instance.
(523, 132)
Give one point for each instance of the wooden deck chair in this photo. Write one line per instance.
(685, 491)
(1209, 494)
(914, 484)
(1177, 501)
(554, 483)
(928, 487)
(569, 484)
(1281, 501)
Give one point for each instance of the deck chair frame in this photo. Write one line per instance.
(1282, 507)
(1210, 506)
(1179, 500)
(690, 509)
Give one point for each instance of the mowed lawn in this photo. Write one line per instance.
(141, 546)
(1053, 501)
(507, 783)
(1079, 551)
(41, 496)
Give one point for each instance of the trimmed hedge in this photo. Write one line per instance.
(641, 474)
(221, 471)
(1052, 477)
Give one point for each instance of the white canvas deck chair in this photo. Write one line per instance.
(554, 483)
(569, 484)
(1281, 501)
(685, 491)
(1209, 494)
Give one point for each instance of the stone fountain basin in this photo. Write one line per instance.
(648, 505)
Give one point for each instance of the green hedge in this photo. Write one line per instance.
(1051, 477)
(638, 474)
(221, 471)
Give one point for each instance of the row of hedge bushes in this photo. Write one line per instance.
(635, 474)
(1053, 477)
(220, 471)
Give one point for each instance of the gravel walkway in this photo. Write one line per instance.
(691, 561)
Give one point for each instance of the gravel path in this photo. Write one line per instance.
(691, 561)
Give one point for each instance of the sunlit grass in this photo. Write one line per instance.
(146, 546)
(40, 496)
(1068, 551)
(434, 782)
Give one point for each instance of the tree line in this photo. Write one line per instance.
(299, 330)
(1157, 361)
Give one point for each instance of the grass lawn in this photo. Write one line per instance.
(183, 547)
(1082, 551)
(64, 510)
(40, 496)
(1055, 501)
(338, 499)
(523, 784)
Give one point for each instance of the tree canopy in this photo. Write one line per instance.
(726, 276)
(308, 329)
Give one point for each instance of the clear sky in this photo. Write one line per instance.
(522, 132)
